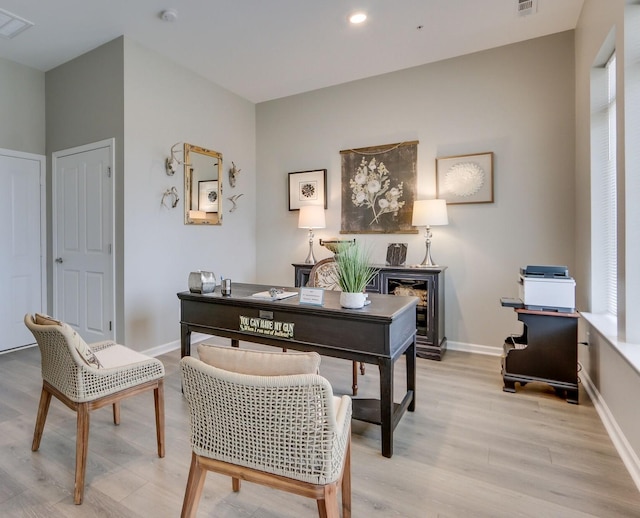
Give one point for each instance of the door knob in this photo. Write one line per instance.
(58, 259)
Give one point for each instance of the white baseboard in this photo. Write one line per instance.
(196, 338)
(17, 349)
(628, 456)
(474, 348)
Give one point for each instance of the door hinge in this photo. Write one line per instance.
(110, 326)
(109, 248)
(109, 172)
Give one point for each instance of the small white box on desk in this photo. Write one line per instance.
(553, 293)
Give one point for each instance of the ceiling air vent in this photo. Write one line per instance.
(527, 7)
(12, 25)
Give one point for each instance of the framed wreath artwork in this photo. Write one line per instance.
(307, 188)
(465, 178)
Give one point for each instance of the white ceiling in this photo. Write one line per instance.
(266, 49)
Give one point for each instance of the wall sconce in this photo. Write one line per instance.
(425, 214)
(172, 163)
(311, 216)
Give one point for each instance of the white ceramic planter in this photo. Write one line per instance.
(352, 300)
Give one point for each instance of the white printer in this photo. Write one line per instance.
(547, 288)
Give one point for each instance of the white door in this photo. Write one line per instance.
(22, 234)
(83, 291)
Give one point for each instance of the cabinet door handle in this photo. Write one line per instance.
(59, 260)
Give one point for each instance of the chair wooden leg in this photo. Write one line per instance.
(362, 364)
(82, 446)
(43, 410)
(328, 505)
(158, 398)
(235, 484)
(354, 385)
(346, 483)
(116, 413)
(322, 508)
(193, 492)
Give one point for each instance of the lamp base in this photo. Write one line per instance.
(311, 259)
(427, 261)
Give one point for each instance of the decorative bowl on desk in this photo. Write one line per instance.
(334, 244)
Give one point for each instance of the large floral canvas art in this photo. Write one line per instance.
(378, 188)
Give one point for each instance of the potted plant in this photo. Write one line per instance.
(354, 273)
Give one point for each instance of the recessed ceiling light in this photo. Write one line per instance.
(357, 18)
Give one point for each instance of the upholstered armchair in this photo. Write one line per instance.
(87, 377)
(268, 418)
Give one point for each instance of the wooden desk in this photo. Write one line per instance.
(377, 334)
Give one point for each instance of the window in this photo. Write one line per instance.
(609, 197)
(604, 198)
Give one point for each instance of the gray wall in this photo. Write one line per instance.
(165, 104)
(517, 101)
(85, 104)
(22, 108)
(104, 94)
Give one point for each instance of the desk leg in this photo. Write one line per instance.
(411, 374)
(386, 405)
(185, 341)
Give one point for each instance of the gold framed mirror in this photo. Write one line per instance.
(202, 186)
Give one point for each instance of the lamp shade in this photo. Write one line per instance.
(311, 216)
(429, 212)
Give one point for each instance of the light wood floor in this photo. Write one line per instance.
(469, 450)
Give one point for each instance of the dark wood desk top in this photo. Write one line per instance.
(383, 328)
(382, 307)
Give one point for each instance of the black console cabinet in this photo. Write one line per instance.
(547, 351)
(425, 283)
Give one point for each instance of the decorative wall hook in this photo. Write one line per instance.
(233, 200)
(173, 198)
(172, 163)
(233, 172)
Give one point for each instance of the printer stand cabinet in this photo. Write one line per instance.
(547, 351)
(425, 283)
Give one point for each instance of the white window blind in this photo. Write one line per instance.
(608, 195)
(603, 187)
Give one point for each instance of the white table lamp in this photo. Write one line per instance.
(311, 216)
(425, 214)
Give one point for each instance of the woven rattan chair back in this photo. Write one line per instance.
(286, 432)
